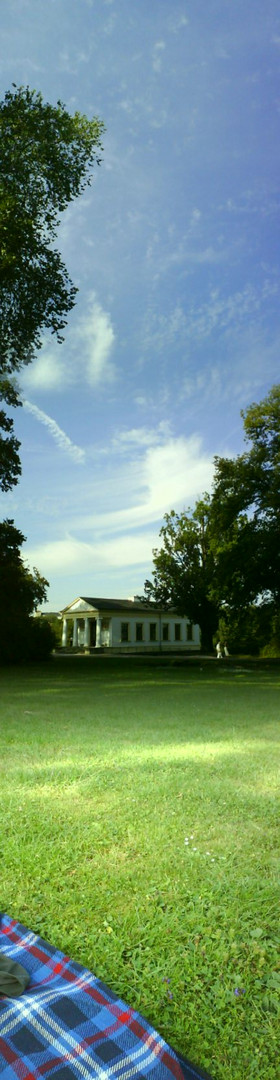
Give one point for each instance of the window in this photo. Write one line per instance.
(165, 631)
(124, 631)
(177, 631)
(139, 631)
(189, 631)
(153, 631)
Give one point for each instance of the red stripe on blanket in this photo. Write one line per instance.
(12, 1058)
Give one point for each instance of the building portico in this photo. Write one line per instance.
(85, 632)
(92, 623)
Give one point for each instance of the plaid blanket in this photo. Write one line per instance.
(68, 1024)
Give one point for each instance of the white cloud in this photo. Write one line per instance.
(163, 330)
(85, 355)
(251, 362)
(177, 23)
(218, 313)
(96, 336)
(140, 437)
(169, 474)
(69, 555)
(176, 473)
(47, 372)
(59, 436)
(69, 60)
(157, 55)
(165, 472)
(185, 253)
(141, 400)
(223, 312)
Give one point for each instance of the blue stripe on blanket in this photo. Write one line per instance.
(68, 1024)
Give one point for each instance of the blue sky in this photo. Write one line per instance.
(175, 251)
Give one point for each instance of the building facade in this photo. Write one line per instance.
(91, 623)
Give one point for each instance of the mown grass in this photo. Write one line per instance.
(106, 768)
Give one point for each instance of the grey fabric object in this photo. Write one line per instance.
(13, 977)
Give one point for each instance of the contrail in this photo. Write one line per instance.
(58, 435)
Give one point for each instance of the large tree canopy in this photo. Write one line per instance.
(10, 467)
(245, 511)
(184, 568)
(21, 591)
(223, 558)
(15, 579)
(46, 158)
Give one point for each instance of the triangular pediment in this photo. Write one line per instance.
(79, 605)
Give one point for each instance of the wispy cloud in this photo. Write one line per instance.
(158, 51)
(96, 337)
(166, 472)
(158, 473)
(85, 354)
(260, 203)
(69, 60)
(140, 438)
(250, 361)
(47, 372)
(69, 555)
(59, 436)
(219, 313)
(189, 252)
(177, 23)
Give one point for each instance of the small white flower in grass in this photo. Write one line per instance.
(212, 860)
(194, 848)
(192, 837)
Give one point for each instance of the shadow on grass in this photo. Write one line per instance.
(220, 775)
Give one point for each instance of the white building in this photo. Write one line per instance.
(126, 626)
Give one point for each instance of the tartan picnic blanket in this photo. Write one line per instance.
(67, 1024)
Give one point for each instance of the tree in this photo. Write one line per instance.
(21, 591)
(245, 512)
(248, 630)
(10, 467)
(184, 568)
(46, 157)
(221, 564)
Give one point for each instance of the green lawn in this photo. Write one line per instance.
(106, 768)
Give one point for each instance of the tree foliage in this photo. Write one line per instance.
(245, 511)
(46, 160)
(10, 466)
(46, 156)
(248, 630)
(222, 561)
(21, 592)
(184, 567)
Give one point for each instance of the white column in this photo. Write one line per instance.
(75, 632)
(98, 633)
(87, 633)
(64, 633)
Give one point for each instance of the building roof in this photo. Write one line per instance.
(107, 604)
